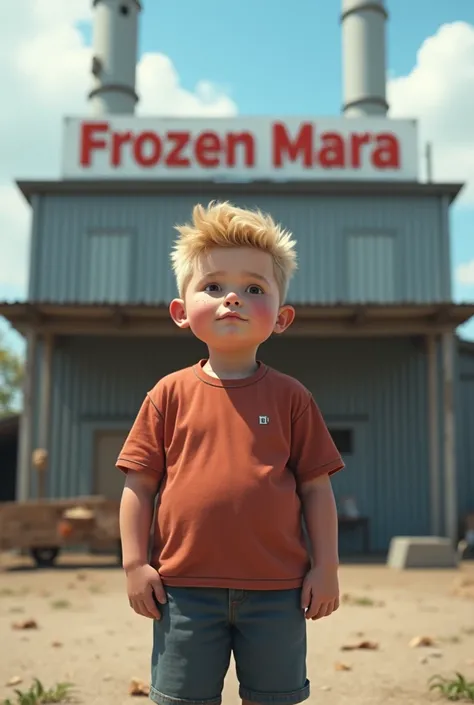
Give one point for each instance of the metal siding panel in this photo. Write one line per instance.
(465, 435)
(381, 383)
(319, 224)
(109, 267)
(371, 268)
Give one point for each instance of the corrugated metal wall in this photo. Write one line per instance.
(465, 431)
(376, 387)
(418, 269)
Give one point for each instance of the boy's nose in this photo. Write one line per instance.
(232, 300)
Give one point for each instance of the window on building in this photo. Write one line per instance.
(371, 267)
(344, 440)
(109, 266)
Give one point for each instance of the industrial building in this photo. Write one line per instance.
(375, 332)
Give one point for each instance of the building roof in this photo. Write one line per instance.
(316, 188)
(74, 318)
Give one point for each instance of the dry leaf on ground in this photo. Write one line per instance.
(26, 624)
(463, 587)
(362, 645)
(419, 641)
(342, 666)
(138, 687)
(16, 680)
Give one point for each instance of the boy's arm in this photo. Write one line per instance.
(314, 458)
(136, 514)
(142, 460)
(320, 515)
(320, 594)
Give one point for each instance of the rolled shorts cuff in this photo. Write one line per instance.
(162, 699)
(291, 698)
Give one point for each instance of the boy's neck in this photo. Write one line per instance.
(228, 365)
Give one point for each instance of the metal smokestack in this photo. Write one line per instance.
(363, 59)
(115, 39)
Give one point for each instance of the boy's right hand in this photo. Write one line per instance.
(143, 586)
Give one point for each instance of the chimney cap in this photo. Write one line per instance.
(350, 6)
(137, 3)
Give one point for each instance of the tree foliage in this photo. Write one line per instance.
(11, 380)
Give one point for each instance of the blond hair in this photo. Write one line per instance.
(225, 225)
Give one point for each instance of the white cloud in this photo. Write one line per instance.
(45, 74)
(439, 92)
(465, 273)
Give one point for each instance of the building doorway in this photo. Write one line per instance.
(108, 480)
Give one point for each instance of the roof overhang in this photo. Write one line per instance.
(339, 319)
(213, 189)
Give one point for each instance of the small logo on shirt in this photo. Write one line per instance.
(263, 420)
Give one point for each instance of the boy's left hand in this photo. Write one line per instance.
(320, 593)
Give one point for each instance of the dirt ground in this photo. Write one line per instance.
(87, 634)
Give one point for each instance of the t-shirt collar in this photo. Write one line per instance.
(259, 373)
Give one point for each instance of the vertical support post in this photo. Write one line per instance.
(450, 488)
(433, 435)
(25, 441)
(45, 407)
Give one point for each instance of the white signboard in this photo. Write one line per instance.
(240, 148)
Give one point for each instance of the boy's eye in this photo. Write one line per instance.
(212, 287)
(254, 289)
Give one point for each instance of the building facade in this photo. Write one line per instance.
(374, 337)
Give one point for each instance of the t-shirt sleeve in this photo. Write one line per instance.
(143, 449)
(313, 451)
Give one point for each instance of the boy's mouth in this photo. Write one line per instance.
(231, 314)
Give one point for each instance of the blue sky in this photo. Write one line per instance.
(287, 61)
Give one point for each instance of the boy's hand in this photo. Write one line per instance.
(320, 594)
(143, 587)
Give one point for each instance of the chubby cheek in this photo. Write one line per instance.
(263, 312)
(201, 313)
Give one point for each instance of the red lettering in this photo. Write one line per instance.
(208, 146)
(331, 154)
(302, 145)
(357, 141)
(89, 143)
(118, 140)
(152, 141)
(174, 157)
(234, 140)
(387, 153)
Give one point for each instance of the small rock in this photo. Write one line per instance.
(421, 641)
(362, 645)
(326, 688)
(342, 666)
(16, 680)
(138, 688)
(56, 644)
(26, 624)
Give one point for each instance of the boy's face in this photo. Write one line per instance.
(232, 300)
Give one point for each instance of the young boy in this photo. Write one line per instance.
(235, 451)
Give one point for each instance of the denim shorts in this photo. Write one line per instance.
(201, 627)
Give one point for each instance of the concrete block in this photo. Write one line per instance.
(422, 552)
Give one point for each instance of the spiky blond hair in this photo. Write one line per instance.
(225, 225)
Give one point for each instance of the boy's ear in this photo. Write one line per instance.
(286, 316)
(178, 313)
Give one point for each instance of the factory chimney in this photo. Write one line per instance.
(363, 58)
(115, 39)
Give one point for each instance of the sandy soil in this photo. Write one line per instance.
(87, 634)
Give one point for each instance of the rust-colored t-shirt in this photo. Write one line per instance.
(230, 455)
